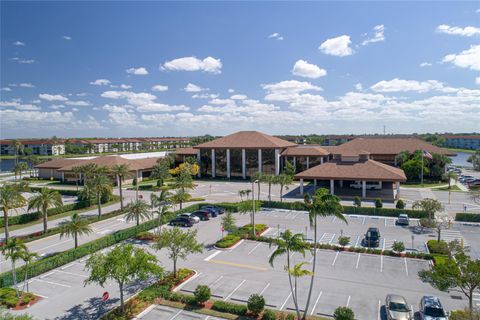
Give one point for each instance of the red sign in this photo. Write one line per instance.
(223, 229)
(105, 296)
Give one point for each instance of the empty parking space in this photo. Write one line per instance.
(156, 312)
(247, 288)
(329, 301)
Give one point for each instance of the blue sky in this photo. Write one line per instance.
(190, 68)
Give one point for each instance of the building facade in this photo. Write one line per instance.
(38, 147)
(471, 142)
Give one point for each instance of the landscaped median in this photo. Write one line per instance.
(244, 232)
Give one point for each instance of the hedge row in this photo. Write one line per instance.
(44, 265)
(467, 217)
(63, 192)
(370, 211)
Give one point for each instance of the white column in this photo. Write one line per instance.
(295, 163)
(301, 187)
(341, 183)
(260, 160)
(244, 169)
(63, 176)
(332, 186)
(380, 184)
(398, 190)
(321, 160)
(277, 162)
(364, 189)
(228, 163)
(315, 183)
(199, 160)
(308, 162)
(213, 163)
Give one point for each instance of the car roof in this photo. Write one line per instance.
(432, 301)
(372, 229)
(396, 298)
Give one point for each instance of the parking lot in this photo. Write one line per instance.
(156, 312)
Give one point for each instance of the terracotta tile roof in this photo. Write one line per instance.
(305, 150)
(246, 140)
(462, 136)
(186, 151)
(32, 141)
(391, 146)
(59, 163)
(369, 170)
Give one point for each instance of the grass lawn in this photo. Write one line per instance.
(462, 150)
(60, 215)
(439, 258)
(452, 188)
(425, 185)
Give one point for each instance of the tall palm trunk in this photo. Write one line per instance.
(269, 192)
(25, 282)
(294, 292)
(5, 222)
(99, 203)
(281, 193)
(120, 191)
(313, 269)
(258, 192)
(122, 305)
(45, 218)
(75, 237)
(14, 275)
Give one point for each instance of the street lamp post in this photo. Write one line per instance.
(253, 207)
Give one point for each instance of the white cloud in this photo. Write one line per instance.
(100, 82)
(159, 88)
(231, 90)
(52, 97)
(57, 106)
(19, 106)
(26, 85)
(19, 43)
(378, 35)
(79, 103)
(137, 71)
(67, 38)
(143, 102)
(458, 31)
(290, 86)
(425, 64)
(359, 86)
(477, 81)
(276, 36)
(205, 96)
(238, 97)
(399, 85)
(304, 69)
(339, 46)
(125, 86)
(469, 58)
(208, 64)
(14, 118)
(190, 87)
(6, 89)
(22, 61)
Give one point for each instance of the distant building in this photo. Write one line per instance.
(463, 142)
(129, 144)
(42, 147)
(336, 140)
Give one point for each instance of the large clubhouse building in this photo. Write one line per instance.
(349, 169)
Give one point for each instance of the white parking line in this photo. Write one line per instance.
(254, 248)
(320, 240)
(381, 263)
(285, 302)
(53, 245)
(212, 255)
(385, 222)
(72, 274)
(348, 302)
(356, 242)
(231, 293)
(335, 259)
(266, 287)
(294, 217)
(316, 302)
(176, 315)
(364, 217)
(334, 218)
(54, 283)
(406, 267)
(379, 309)
(358, 260)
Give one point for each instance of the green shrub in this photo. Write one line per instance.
(378, 203)
(227, 241)
(269, 315)
(8, 297)
(343, 313)
(398, 246)
(357, 202)
(202, 294)
(437, 247)
(464, 315)
(400, 204)
(232, 308)
(256, 304)
(290, 316)
(343, 240)
(467, 217)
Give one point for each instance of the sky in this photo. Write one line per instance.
(128, 69)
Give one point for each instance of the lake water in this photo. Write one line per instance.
(6, 165)
(461, 160)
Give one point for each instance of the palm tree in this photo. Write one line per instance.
(449, 175)
(258, 176)
(269, 179)
(20, 167)
(13, 250)
(77, 226)
(287, 244)
(298, 272)
(28, 257)
(17, 144)
(162, 202)
(120, 171)
(180, 196)
(10, 198)
(99, 185)
(44, 200)
(321, 204)
(137, 210)
(284, 180)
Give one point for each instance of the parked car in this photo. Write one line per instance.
(465, 178)
(191, 216)
(431, 309)
(182, 221)
(468, 180)
(372, 237)
(397, 308)
(218, 210)
(474, 182)
(403, 219)
(202, 214)
(369, 186)
(213, 212)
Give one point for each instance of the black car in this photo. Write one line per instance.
(372, 238)
(181, 221)
(202, 214)
(219, 210)
(213, 212)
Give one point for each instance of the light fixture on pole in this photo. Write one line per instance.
(253, 207)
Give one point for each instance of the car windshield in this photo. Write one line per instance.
(372, 234)
(434, 312)
(397, 306)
